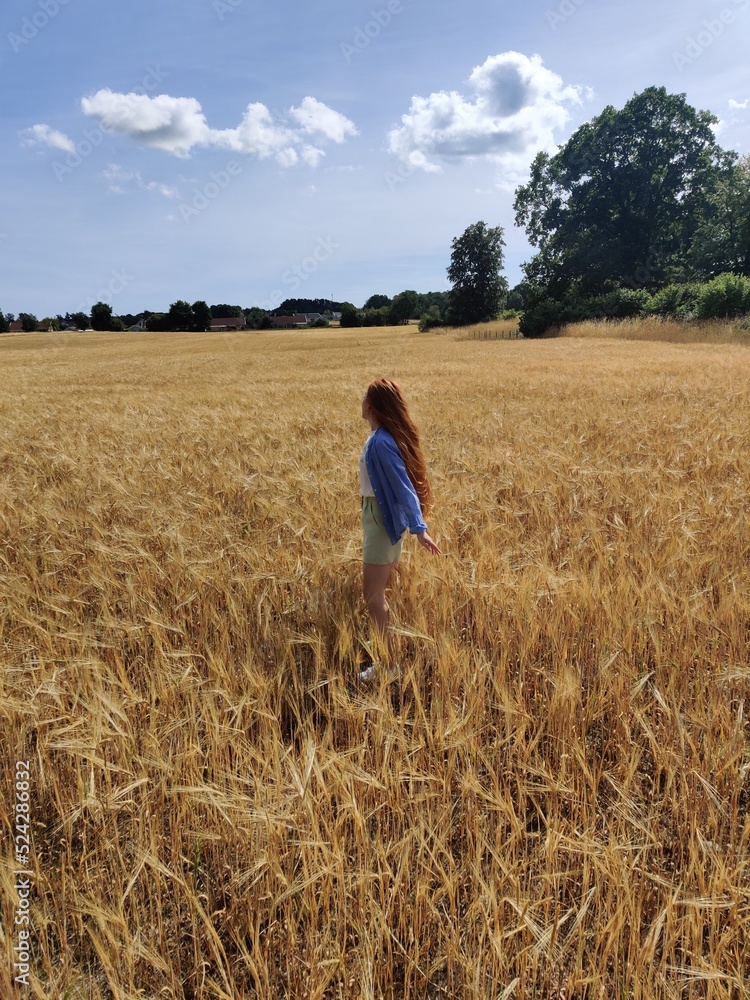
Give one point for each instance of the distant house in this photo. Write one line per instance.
(285, 322)
(16, 326)
(228, 323)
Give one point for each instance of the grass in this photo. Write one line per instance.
(663, 329)
(499, 329)
(555, 802)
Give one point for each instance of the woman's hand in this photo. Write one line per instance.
(427, 543)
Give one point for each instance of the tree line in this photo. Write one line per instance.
(379, 310)
(640, 212)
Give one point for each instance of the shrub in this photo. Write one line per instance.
(678, 301)
(427, 322)
(542, 316)
(621, 303)
(726, 296)
(430, 319)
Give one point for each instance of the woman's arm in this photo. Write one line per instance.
(394, 471)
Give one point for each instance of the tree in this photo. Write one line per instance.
(222, 311)
(377, 302)
(80, 320)
(721, 243)
(257, 319)
(403, 307)
(291, 306)
(478, 287)
(201, 316)
(516, 297)
(619, 204)
(4, 324)
(180, 315)
(29, 322)
(157, 323)
(101, 316)
(426, 300)
(350, 315)
(374, 317)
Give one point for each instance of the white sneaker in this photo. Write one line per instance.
(368, 674)
(371, 672)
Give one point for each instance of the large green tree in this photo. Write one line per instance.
(403, 307)
(180, 315)
(80, 320)
(721, 243)
(619, 204)
(223, 310)
(158, 323)
(350, 315)
(101, 316)
(377, 302)
(201, 316)
(29, 322)
(257, 319)
(474, 271)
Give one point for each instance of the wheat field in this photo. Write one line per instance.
(554, 800)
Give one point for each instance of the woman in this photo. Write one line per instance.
(395, 495)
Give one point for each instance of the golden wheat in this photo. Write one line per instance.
(664, 329)
(552, 803)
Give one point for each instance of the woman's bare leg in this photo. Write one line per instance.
(374, 581)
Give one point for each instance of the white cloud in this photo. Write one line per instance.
(177, 125)
(515, 111)
(739, 105)
(43, 135)
(174, 124)
(259, 135)
(316, 118)
(118, 178)
(311, 155)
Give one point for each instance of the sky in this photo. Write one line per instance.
(249, 151)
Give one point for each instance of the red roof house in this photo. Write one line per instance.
(228, 323)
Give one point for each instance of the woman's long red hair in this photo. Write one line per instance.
(389, 409)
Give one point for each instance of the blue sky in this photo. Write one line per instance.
(246, 151)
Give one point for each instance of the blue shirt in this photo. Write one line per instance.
(394, 491)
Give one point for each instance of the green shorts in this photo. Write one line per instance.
(376, 549)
